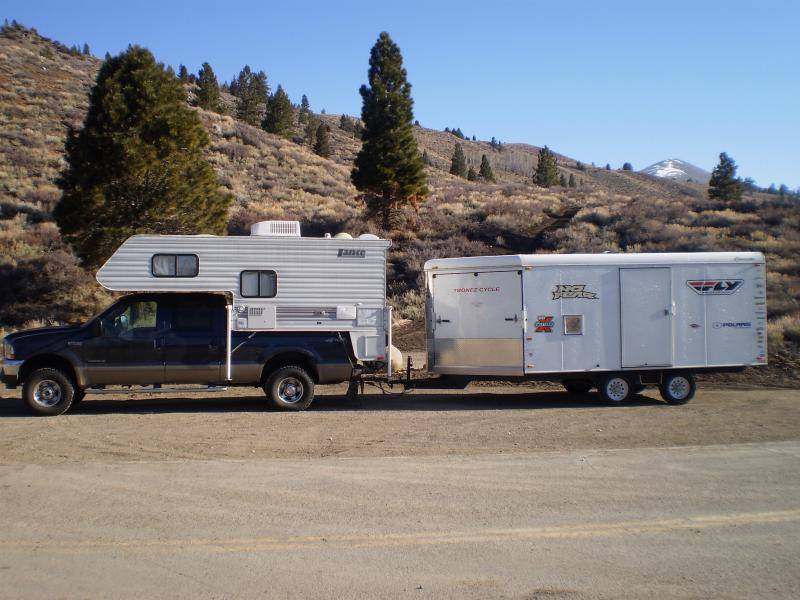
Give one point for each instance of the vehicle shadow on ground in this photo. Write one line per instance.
(13, 407)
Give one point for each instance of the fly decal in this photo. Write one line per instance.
(715, 287)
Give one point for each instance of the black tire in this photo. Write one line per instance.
(615, 388)
(577, 386)
(48, 392)
(290, 388)
(677, 387)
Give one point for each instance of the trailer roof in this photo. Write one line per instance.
(647, 258)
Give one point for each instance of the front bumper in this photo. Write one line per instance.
(10, 372)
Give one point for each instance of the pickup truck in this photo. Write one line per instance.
(154, 339)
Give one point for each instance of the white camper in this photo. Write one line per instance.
(277, 280)
(616, 321)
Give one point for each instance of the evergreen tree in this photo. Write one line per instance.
(783, 190)
(486, 170)
(608, 166)
(183, 73)
(305, 109)
(388, 169)
(416, 123)
(310, 131)
(346, 123)
(86, 50)
(280, 116)
(627, 167)
(546, 173)
(458, 164)
(425, 158)
(580, 166)
(724, 184)
(251, 91)
(323, 144)
(571, 183)
(471, 174)
(208, 89)
(138, 164)
(562, 180)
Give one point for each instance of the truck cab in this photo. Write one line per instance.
(157, 339)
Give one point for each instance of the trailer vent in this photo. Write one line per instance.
(276, 228)
(255, 312)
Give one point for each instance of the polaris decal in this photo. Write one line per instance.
(573, 291)
(351, 253)
(715, 287)
(544, 324)
(732, 325)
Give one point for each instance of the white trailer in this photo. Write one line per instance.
(615, 321)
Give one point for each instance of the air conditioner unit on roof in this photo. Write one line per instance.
(276, 228)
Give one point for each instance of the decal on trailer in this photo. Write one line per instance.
(573, 291)
(351, 253)
(732, 325)
(544, 324)
(475, 290)
(715, 287)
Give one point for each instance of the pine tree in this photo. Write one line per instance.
(724, 184)
(426, 160)
(183, 73)
(562, 180)
(486, 170)
(608, 166)
(138, 164)
(388, 169)
(310, 131)
(546, 173)
(571, 183)
(471, 174)
(280, 115)
(251, 91)
(305, 110)
(323, 144)
(86, 51)
(627, 167)
(458, 164)
(208, 91)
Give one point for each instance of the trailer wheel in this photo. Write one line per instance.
(615, 388)
(290, 388)
(678, 388)
(48, 392)
(577, 386)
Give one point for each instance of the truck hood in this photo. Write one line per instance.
(32, 341)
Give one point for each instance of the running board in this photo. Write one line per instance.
(159, 390)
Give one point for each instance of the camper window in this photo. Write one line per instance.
(573, 324)
(258, 284)
(175, 265)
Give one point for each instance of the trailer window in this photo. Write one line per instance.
(175, 265)
(573, 324)
(258, 284)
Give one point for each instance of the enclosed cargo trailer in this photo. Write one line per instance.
(597, 320)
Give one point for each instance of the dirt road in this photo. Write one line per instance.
(490, 493)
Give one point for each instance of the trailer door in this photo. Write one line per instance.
(646, 310)
(478, 322)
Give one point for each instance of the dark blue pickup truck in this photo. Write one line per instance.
(156, 339)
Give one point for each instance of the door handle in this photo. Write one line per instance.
(514, 318)
(441, 320)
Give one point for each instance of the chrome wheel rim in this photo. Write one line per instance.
(679, 388)
(290, 390)
(47, 393)
(617, 389)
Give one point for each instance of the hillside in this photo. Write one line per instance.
(43, 92)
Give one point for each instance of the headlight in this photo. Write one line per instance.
(8, 350)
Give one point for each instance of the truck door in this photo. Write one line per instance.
(477, 322)
(646, 310)
(128, 349)
(194, 344)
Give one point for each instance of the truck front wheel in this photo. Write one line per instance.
(290, 388)
(48, 392)
(677, 388)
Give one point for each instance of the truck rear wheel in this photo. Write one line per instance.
(615, 388)
(48, 392)
(290, 388)
(677, 388)
(577, 386)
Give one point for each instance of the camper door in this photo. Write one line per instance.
(478, 322)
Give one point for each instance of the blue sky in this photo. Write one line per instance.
(602, 81)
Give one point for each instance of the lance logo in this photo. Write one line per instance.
(544, 324)
(573, 291)
(351, 253)
(716, 287)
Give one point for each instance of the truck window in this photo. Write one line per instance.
(258, 284)
(175, 265)
(193, 318)
(138, 315)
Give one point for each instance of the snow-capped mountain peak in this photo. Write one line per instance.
(680, 170)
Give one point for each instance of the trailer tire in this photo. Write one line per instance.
(290, 388)
(677, 388)
(48, 392)
(615, 388)
(577, 386)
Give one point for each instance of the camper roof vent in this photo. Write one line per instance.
(276, 228)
